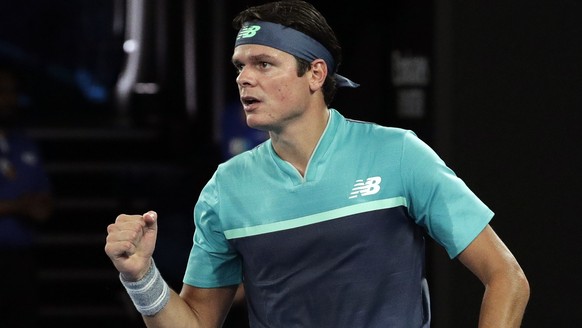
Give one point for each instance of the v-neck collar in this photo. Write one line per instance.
(317, 157)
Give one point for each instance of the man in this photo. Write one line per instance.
(324, 223)
(25, 203)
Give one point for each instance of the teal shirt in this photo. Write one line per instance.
(369, 195)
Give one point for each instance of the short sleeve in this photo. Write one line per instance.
(438, 199)
(212, 261)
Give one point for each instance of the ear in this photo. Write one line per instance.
(318, 73)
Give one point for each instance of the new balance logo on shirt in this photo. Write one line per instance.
(370, 187)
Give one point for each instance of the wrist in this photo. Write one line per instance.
(127, 278)
(150, 294)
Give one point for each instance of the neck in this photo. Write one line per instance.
(297, 145)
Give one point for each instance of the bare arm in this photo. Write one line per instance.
(194, 307)
(506, 287)
(130, 245)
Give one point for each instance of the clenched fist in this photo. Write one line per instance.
(131, 242)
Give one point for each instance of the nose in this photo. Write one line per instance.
(244, 77)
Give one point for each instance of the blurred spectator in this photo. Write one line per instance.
(25, 203)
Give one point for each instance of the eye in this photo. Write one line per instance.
(264, 65)
(238, 67)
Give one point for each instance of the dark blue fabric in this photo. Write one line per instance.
(373, 261)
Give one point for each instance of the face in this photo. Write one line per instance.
(271, 93)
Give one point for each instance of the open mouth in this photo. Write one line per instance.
(249, 100)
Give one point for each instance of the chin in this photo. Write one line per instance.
(257, 125)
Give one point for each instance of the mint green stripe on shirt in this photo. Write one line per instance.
(315, 218)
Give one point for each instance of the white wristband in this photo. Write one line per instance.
(150, 294)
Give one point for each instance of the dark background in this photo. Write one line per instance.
(501, 105)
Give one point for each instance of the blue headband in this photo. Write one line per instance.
(290, 41)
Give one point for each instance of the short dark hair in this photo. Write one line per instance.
(304, 17)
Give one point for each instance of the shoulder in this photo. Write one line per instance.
(354, 125)
(249, 159)
(374, 132)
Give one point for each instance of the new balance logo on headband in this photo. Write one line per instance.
(370, 187)
(248, 31)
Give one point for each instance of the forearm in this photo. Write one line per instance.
(162, 307)
(159, 305)
(208, 308)
(176, 314)
(504, 302)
